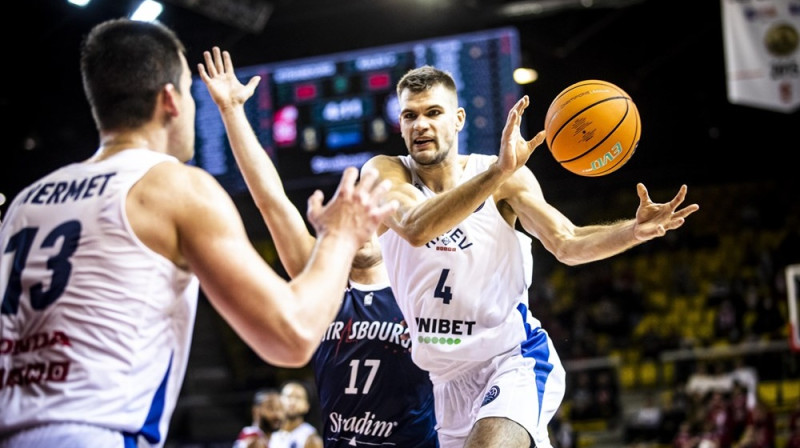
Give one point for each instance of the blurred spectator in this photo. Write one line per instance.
(561, 430)
(582, 398)
(704, 381)
(727, 322)
(296, 432)
(739, 411)
(674, 414)
(708, 437)
(606, 395)
(268, 415)
(685, 437)
(645, 423)
(747, 376)
(794, 428)
(718, 415)
(769, 323)
(760, 430)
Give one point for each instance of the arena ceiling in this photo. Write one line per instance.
(667, 54)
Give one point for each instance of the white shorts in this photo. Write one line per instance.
(525, 385)
(73, 435)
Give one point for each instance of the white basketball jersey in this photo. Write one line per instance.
(460, 293)
(295, 438)
(95, 326)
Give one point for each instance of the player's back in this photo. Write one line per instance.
(96, 327)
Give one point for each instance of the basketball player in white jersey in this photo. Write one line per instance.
(457, 269)
(100, 261)
(296, 431)
(269, 415)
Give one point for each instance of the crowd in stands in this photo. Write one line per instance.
(719, 282)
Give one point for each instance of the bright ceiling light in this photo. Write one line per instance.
(147, 11)
(80, 3)
(525, 75)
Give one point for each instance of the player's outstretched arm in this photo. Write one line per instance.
(572, 244)
(282, 321)
(292, 239)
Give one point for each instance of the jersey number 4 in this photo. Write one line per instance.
(442, 291)
(20, 244)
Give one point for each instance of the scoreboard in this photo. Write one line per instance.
(316, 116)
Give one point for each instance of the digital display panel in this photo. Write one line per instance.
(316, 116)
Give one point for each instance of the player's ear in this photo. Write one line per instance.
(169, 99)
(461, 117)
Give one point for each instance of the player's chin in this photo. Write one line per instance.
(426, 155)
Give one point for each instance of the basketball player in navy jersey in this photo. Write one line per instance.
(101, 261)
(371, 393)
(455, 266)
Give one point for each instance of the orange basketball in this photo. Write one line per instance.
(592, 127)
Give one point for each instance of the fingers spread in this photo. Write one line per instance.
(641, 190)
(218, 60)
(679, 198)
(537, 140)
(227, 62)
(314, 204)
(347, 182)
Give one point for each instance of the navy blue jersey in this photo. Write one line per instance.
(371, 393)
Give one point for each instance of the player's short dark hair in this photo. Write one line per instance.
(424, 78)
(124, 65)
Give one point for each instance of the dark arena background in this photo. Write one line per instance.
(653, 340)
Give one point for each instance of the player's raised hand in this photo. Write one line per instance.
(655, 219)
(514, 149)
(356, 209)
(220, 79)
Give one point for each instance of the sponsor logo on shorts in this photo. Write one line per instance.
(491, 395)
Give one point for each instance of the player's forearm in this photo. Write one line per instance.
(598, 242)
(435, 216)
(293, 242)
(290, 234)
(257, 169)
(319, 288)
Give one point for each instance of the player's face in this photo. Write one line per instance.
(181, 141)
(271, 414)
(295, 400)
(429, 123)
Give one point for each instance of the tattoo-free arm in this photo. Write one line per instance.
(573, 244)
(292, 239)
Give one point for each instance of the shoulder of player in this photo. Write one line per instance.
(180, 180)
(383, 160)
(389, 167)
(183, 192)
